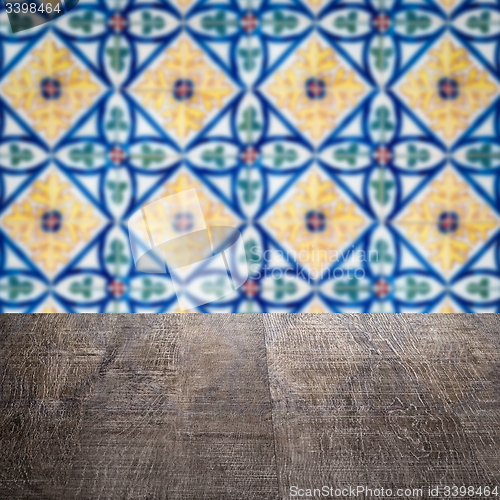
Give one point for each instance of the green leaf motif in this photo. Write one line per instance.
(117, 256)
(217, 287)
(382, 122)
(481, 287)
(116, 122)
(348, 22)
(117, 57)
(349, 155)
(381, 57)
(250, 123)
(382, 189)
(15, 287)
(150, 23)
(383, 255)
(484, 156)
(117, 188)
(251, 256)
(216, 156)
(281, 155)
(85, 155)
(415, 155)
(85, 287)
(83, 22)
(148, 155)
(18, 155)
(349, 287)
(217, 23)
(249, 188)
(481, 23)
(414, 22)
(249, 56)
(413, 288)
(282, 22)
(282, 288)
(149, 288)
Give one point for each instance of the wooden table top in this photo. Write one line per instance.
(250, 406)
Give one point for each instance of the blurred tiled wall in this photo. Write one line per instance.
(355, 144)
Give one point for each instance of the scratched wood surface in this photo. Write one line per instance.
(385, 400)
(245, 406)
(135, 407)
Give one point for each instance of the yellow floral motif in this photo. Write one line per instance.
(341, 89)
(447, 3)
(183, 3)
(474, 89)
(72, 89)
(213, 215)
(49, 308)
(314, 309)
(213, 212)
(183, 64)
(342, 222)
(447, 309)
(73, 222)
(474, 221)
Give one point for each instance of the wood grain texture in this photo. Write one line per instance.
(48, 366)
(384, 400)
(161, 406)
(244, 406)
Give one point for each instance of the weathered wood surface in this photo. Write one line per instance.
(385, 400)
(136, 407)
(245, 406)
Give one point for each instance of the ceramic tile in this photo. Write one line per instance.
(354, 144)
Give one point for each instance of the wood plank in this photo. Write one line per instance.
(175, 406)
(48, 366)
(384, 400)
(178, 406)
